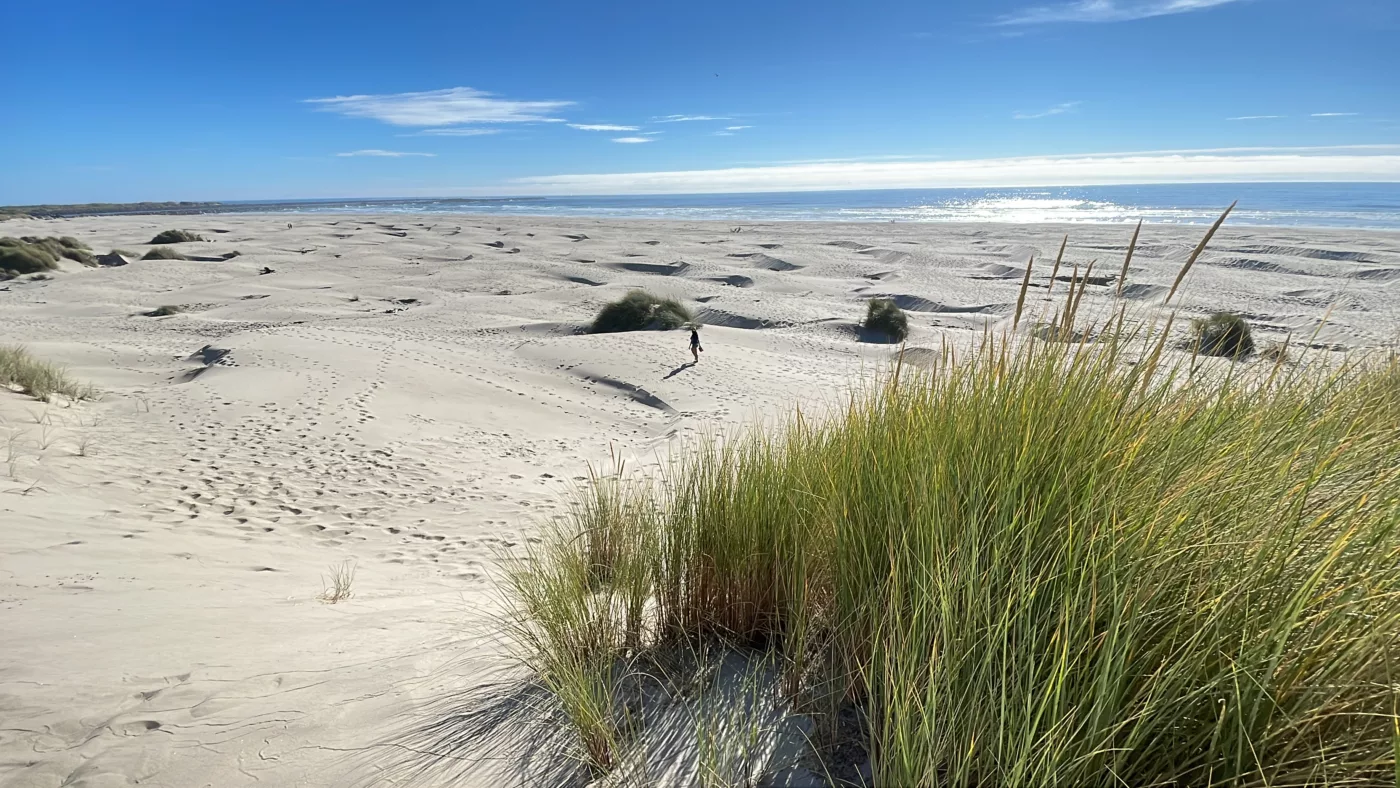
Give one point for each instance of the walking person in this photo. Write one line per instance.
(695, 349)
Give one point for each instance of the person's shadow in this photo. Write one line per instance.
(679, 370)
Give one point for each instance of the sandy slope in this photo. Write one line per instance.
(409, 393)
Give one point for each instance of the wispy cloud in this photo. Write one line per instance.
(441, 108)
(1257, 117)
(454, 132)
(633, 140)
(1058, 109)
(1105, 11)
(1335, 114)
(1335, 163)
(736, 128)
(601, 127)
(683, 118)
(388, 154)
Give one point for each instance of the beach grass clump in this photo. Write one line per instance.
(175, 237)
(883, 316)
(32, 254)
(164, 311)
(39, 379)
(1222, 334)
(163, 253)
(1039, 564)
(641, 311)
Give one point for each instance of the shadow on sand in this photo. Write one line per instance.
(508, 729)
(679, 370)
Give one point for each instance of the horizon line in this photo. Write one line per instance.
(194, 203)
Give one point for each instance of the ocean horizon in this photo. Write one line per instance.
(1333, 205)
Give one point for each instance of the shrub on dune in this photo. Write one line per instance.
(162, 253)
(1222, 334)
(641, 311)
(32, 254)
(176, 237)
(882, 315)
(18, 258)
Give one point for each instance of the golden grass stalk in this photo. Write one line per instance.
(1021, 297)
(1128, 258)
(1054, 271)
(1195, 253)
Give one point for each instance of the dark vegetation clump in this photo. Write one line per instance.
(1222, 334)
(162, 253)
(884, 316)
(31, 254)
(164, 311)
(176, 237)
(101, 208)
(641, 311)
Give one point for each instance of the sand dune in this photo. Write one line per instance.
(414, 394)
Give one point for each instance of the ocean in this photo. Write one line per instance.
(1358, 205)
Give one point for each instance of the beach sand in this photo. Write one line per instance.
(412, 394)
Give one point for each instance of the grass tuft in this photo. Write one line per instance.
(164, 311)
(31, 254)
(882, 315)
(641, 311)
(339, 582)
(175, 237)
(39, 379)
(1222, 334)
(162, 253)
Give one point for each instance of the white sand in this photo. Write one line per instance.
(387, 400)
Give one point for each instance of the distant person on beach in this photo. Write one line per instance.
(695, 348)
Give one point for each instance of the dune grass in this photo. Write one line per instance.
(1222, 334)
(39, 379)
(1043, 563)
(641, 311)
(162, 253)
(175, 237)
(164, 311)
(882, 315)
(338, 584)
(31, 254)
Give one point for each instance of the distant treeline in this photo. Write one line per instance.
(100, 208)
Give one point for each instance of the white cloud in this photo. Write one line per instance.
(454, 132)
(1335, 114)
(1105, 11)
(633, 140)
(1058, 109)
(1220, 165)
(601, 127)
(441, 108)
(390, 154)
(736, 128)
(1257, 117)
(683, 118)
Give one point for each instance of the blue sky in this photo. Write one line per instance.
(260, 100)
